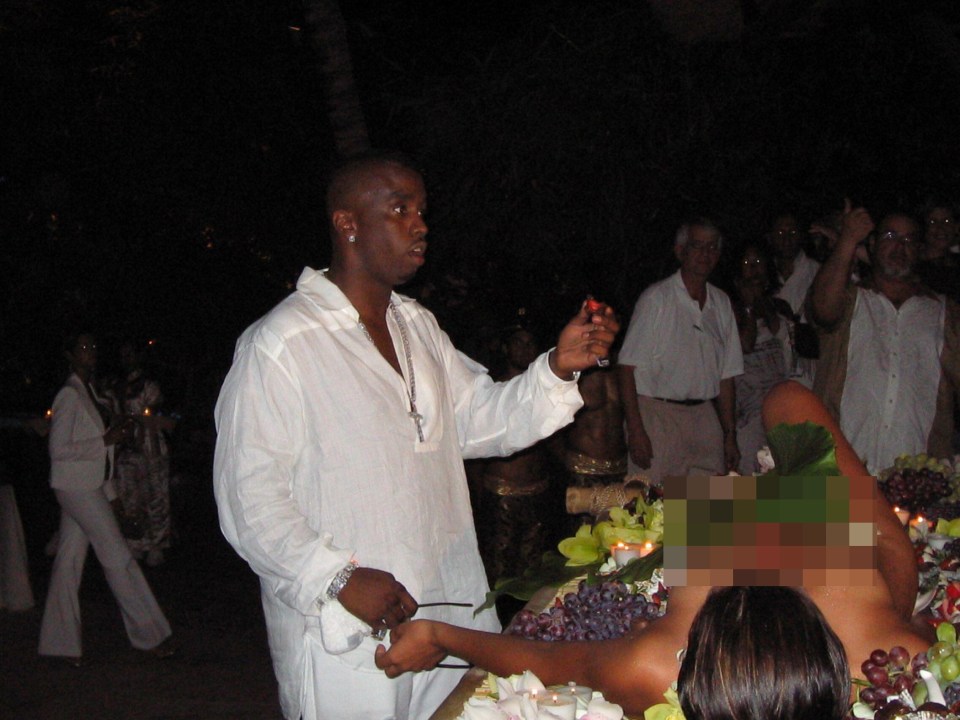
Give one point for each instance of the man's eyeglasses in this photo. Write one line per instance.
(787, 234)
(705, 247)
(906, 239)
(933, 222)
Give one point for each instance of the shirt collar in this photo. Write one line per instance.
(325, 294)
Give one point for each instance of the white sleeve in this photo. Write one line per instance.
(500, 418)
(641, 339)
(259, 425)
(732, 362)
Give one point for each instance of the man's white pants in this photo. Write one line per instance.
(686, 439)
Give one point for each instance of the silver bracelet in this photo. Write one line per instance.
(339, 583)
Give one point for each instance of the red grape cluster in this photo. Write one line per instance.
(914, 489)
(595, 612)
(890, 673)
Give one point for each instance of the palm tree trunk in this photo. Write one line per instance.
(328, 37)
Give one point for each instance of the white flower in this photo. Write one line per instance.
(600, 709)
(765, 459)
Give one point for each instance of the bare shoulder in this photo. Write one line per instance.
(642, 665)
(864, 619)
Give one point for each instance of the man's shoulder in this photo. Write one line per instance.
(720, 297)
(659, 290)
(291, 316)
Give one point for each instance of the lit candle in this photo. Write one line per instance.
(625, 552)
(146, 412)
(563, 706)
(934, 694)
(582, 693)
(48, 414)
(904, 515)
(920, 524)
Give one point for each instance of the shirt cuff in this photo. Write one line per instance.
(340, 631)
(546, 374)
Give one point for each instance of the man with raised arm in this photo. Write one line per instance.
(889, 364)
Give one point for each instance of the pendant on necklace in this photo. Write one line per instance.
(413, 414)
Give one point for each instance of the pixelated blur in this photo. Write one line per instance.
(796, 531)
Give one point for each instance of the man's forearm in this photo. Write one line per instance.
(628, 397)
(827, 290)
(727, 407)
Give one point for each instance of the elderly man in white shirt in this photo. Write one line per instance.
(681, 352)
(890, 360)
(338, 470)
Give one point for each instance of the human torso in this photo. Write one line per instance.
(597, 431)
(794, 288)
(893, 372)
(679, 350)
(763, 368)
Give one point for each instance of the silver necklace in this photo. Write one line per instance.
(412, 387)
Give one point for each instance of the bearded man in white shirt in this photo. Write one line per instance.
(681, 352)
(338, 472)
(889, 366)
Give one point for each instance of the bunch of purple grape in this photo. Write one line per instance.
(915, 489)
(595, 612)
(890, 673)
(945, 510)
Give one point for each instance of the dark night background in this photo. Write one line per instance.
(161, 163)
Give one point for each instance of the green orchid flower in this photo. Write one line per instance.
(584, 548)
(670, 710)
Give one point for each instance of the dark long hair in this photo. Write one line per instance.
(763, 653)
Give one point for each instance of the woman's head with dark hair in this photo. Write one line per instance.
(755, 271)
(762, 653)
(80, 351)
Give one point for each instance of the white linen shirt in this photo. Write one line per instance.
(317, 461)
(893, 371)
(677, 350)
(794, 288)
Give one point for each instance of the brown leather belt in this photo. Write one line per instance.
(681, 402)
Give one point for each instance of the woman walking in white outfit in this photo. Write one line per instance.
(82, 438)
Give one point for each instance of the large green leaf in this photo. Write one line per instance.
(552, 571)
(804, 449)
